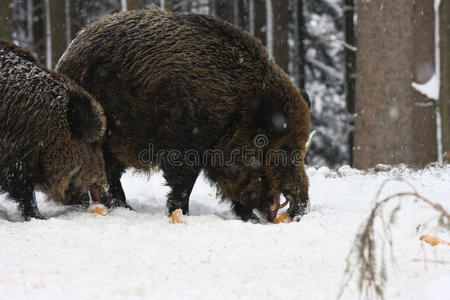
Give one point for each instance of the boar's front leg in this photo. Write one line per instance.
(245, 213)
(19, 184)
(114, 170)
(181, 180)
(299, 206)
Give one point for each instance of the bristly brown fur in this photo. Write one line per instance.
(45, 141)
(189, 81)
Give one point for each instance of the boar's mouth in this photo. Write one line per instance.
(276, 206)
(94, 192)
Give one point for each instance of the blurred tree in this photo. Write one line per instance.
(224, 9)
(324, 81)
(280, 23)
(259, 20)
(5, 20)
(57, 30)
(212, 7)
(444, 99)
(37, 30)
(184, 5)
(166, 5)
(241, 16)
(299, 33)
(134, 4)
(350, 59)
(394, 123)
(19, 21)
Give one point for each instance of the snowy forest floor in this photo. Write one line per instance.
(140, 255)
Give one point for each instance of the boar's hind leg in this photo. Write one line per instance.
(245, 213)
(181, 181)
(19, 184)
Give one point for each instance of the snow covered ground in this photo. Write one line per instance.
(139, 255)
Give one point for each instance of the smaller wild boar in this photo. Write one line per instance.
(50, 132)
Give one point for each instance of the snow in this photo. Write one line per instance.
(429, 88)
(123, 5)
(439, 288)
(140, 255)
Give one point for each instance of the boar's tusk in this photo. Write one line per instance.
(289, 199)
(308, 143)
(275, 205)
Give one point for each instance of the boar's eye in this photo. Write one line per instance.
(267, 116)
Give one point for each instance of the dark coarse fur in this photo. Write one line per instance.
(50, 132)
(191, 82)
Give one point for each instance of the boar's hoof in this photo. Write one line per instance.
(33, 215)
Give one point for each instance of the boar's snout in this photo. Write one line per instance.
(298, 205)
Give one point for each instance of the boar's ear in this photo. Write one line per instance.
(267, 117)
(86, 118)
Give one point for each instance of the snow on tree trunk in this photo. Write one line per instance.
(48, 35)
(123, 5)
(444, 95)
(394, 123)
(251, 17)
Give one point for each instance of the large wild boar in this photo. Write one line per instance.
(189, 92)
(50, 133)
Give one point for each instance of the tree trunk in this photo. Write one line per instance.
(260, 26)
(213, 7)
(350, 58)
(394, 123)
(280, 23)
(57, 30)
(76, 16)
(444, 99)
(300, 45)
(241, 14)
(224, 9)
(68, 21)
(166, 5)
(5, 20)
(38, 30)
(134, 4)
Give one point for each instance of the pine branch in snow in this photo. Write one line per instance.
(333, 74)
(363, 258)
